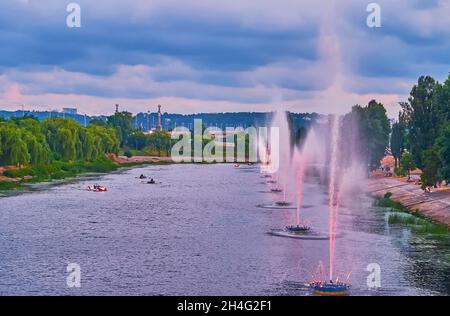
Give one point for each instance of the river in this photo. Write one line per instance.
(199, 231)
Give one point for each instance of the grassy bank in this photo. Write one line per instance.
(417, 224)
(6, 186)
(401, 215)
(60, 170)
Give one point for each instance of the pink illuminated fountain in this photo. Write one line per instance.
(330, 287)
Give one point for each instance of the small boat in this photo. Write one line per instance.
(276, 190)
(330, 288)
(97, 188)
(237, 165)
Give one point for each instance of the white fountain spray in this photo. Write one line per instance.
(333, 204)
(283, 156)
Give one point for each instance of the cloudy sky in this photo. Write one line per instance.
(210, 55)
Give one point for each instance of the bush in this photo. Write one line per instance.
(400, 172)
(386, 201)
(8, 186)
(418, 224)
(61, 170)
(128, 154)
(17, 173)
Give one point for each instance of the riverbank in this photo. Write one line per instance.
(434, 205)
(140, 159)
(17, 179)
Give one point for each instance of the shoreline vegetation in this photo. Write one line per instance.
(17, 179)
(401, 215)
(33, 151)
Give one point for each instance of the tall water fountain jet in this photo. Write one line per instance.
(300, 182)
(305, 156)
(282, 158)
(333, 203)
(332, 287)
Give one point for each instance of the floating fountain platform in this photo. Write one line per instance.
(330, 288)
(309, 235)
(298, 229)
(282, 205)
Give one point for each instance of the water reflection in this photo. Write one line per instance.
(200, 232)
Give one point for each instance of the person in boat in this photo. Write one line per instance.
(151, 181)
(142, 177)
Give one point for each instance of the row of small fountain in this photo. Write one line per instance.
(284, 173)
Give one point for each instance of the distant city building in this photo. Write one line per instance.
(72, 111)
(159, 126)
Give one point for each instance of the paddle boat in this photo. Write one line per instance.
(97, 188)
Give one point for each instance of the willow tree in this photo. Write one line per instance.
(14, 148)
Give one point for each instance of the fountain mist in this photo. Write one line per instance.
(333, 203)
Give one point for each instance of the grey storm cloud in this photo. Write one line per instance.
(144, 49)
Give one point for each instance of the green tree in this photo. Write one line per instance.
(407, 163)
(123, 123)
(378, 130)
(137, 140)
(366, 133)
(98, 122)
(160, 141)
(432, 165)
(443, 147)
(442, 102)
(396, 142)
(421, 116)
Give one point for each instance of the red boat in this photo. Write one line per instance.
(98, 188)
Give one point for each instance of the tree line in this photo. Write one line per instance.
(366, 132)
(134, 139)
(26, 141)
(421, 136)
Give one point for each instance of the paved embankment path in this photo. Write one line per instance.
(434, 205)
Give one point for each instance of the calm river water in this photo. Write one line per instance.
(199, 231)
